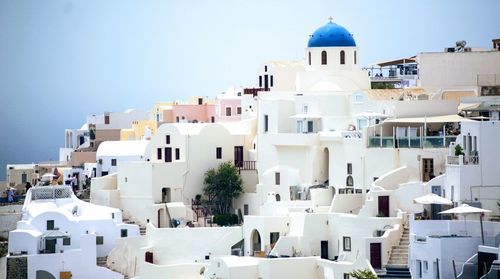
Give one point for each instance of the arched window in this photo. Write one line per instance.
(278, 197)
(342, 57)
(355, 57)
(309, 58)
(349, 181)
(323, 57)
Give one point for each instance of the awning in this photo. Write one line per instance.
(305, 116)
(396, 62)
(54, 234)
(431, 119)
(432, 199)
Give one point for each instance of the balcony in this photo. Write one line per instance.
(411, 142)
(245, 165)
(462, 160)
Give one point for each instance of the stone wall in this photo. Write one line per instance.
(17, 268)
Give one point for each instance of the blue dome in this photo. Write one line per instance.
(331, 35)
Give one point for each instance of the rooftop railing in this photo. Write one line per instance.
(50, 192)
(462, 160)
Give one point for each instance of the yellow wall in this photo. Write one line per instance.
(137, 131)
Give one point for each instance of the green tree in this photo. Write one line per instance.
(222, 185)
(459, 150)
(363, 274)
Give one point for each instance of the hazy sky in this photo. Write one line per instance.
(62, 60)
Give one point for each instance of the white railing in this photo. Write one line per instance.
(462, 160)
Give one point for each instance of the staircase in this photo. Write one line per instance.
(101, 261)
(142, 230)
(397, 267)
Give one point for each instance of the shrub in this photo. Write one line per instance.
(226, 219)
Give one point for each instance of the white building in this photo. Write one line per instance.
(111, 153)
(470, 178)
(60, 234)
(179, 155)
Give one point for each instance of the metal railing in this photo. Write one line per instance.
(50, 192)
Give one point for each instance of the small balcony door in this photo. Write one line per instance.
(168, 154)
(427, 169)
(238, 156)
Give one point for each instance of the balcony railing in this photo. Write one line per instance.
(245, 165)
(462, 160)
(417, 142)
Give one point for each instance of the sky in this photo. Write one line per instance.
(61, 60)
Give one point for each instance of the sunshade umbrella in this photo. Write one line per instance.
(466, 209)
(432, 199)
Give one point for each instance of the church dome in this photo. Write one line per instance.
(331, 35)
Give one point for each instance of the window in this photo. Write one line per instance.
(265, 69)
(323, 58)
(309, 57)
(66, 241)
(24, 178)
(266, 123)
(106, 118)
(277, 178)
(426, 266)
(346, 275)
(123, 232)
(113, 162)
(228, 111)
(272, 81)
(177, 119)
(158, 153)
(245, 209)
(349, 168)
(260, 81)
(342, 57)
(212, 119)
(358, 98)
(200, 101)
(310, 126)
(355, 57)
(50, 224)
(305, 108)
(99, 240)
(218, 153)
(349, 181)
(238, 110)
(167, 139)
(177, 154)
(347, 243)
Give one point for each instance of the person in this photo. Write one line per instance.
(73, 183)
(28, 186)
(87, 181)
(10, 195)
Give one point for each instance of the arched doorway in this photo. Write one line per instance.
(42, 274)
(161, 218)
(278, 197)
(256, 242)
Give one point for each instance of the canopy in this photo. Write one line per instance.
(464, 209)
(396, 62)
(430, 119)
(370, 114)
(54, 234)
(432, 199)
(305, 116)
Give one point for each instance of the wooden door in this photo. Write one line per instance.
(375, 255)
(427, 169)
(238, 156)
(383, 206)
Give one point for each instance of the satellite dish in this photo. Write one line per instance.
(461, 44)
